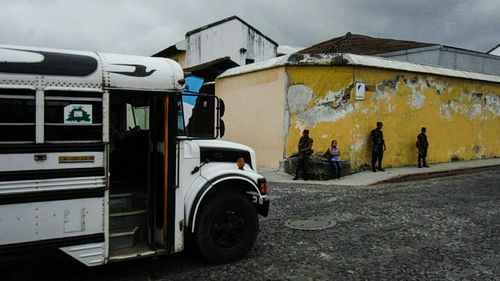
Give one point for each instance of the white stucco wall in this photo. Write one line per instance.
(226, 39)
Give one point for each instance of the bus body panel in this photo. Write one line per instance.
(54, 69)
(198, 193)
(49, 68)
(140, 73)
(35, 221)
(210, 174)
(189, 158)
(53, 160)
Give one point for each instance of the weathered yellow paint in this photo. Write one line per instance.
(322, 81)
(462, 116)
(268, 109)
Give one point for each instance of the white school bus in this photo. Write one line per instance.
(99, 159)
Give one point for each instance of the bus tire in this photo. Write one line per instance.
(226, 227)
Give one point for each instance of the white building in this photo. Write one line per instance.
(230, 38)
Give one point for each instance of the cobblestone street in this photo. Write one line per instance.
(444, 228)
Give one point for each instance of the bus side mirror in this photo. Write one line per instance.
(222, 128)
(221, 107)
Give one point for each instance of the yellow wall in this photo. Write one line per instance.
(462, 116)
(314, 102)
(254, 112)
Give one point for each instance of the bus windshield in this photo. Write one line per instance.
(199, 116)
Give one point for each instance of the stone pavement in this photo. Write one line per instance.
(391, 174)
(442, 229)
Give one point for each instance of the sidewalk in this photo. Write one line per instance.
(391, 174)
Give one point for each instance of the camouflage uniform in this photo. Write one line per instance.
(422, 145)
(304, 142)
(378, 144)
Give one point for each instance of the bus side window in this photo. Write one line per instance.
(17, 115)
(137, 117)
(73, 116)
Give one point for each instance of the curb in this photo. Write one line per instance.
(437, 174)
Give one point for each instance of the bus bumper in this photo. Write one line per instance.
(263, 209)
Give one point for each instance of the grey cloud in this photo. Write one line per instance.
(146, 27)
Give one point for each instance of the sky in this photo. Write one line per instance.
(149, 26)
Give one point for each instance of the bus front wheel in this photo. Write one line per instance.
(226, 228)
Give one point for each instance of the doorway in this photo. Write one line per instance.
(136, 165)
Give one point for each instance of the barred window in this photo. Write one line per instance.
(17, 115)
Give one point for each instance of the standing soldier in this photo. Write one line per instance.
(378, 146)
(305, 150)
(422, 145)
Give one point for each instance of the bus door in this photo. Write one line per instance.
(140, 173)
(167, 115)
(162, 172)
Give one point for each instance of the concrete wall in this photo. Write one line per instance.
(462, 116)
(227, 39)
(254, 112)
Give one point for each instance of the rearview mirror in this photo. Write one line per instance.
(222, 108)
(222, 128)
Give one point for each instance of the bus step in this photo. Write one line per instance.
(127, 218)
(123, 238)
(121, 201)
